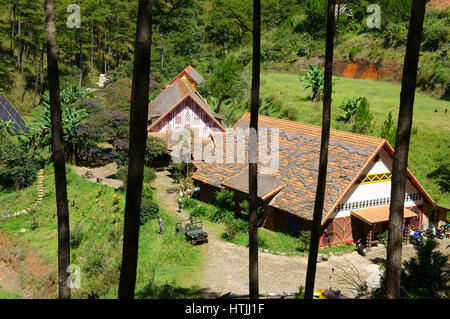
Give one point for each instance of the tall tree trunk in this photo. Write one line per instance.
(399, 167)
(80, 79)
(58, 152)
(104, 54)
(38, 76)
(138, 140)
(13, 29)
(22, 64)
(253, 153)
(92, 48)
(18, 36)
(323, 160)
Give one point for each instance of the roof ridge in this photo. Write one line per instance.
(316, 127)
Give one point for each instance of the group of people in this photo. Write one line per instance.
(180, 206)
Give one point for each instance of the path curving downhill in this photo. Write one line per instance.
(40, 189)
(226, 265)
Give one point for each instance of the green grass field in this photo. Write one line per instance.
(431, 125)
(167, 265)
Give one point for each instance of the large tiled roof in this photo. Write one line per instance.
(299, 147)
(267, 184)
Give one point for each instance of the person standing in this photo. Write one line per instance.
(161, 226)
(180, 205)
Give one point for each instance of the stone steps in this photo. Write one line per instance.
(40, 189)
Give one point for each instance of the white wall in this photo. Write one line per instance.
(362, 192)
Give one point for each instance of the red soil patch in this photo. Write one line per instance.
(350, 70)
(388, 71)
(370, 73)
(17, 263)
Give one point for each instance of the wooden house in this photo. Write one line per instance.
(357, 191)
(180, 106)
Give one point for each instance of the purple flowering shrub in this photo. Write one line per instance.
(106, 130)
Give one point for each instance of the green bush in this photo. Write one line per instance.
(234, 226)
(156, 148)
(225, 199)
(17, 168)
(262, 241)
(76, 236)
(389, 130)
(314, 78)
(231, 228)
(289, 113)
(149, 174)
(423, 276)
(200, 211)
(395, 35)
(363, 118)
(353, 51)
(122, 173)
(436, 30)
(304, 240)
(149, 210)
(219, 215)
(383, 237)
(147, 191)
(189, 202)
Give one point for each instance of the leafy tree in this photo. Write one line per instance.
(6, 128)
(425, 275)
(17, 167)
(363, 118)
(149, 210)
(304, 240)
(156, 147)
(388, 130)
(225, 199)
(225, 76)
(314, 79)
(349, 106)
(74, 142)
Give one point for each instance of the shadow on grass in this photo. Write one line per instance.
(172, 291)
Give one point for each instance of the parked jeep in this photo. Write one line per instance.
(192, 230)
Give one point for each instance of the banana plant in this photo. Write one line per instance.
(6, 128)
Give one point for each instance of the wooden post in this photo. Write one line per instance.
(407, 230)
(369, 238)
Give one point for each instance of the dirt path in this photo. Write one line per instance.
(226, 264)
(101, 175)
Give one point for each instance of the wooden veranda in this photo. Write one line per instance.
(374, 218)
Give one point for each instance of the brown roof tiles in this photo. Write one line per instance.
(299, 146)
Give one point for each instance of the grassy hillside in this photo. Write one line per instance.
(167, 267)
(430, 139)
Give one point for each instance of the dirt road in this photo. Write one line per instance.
(225, 266)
